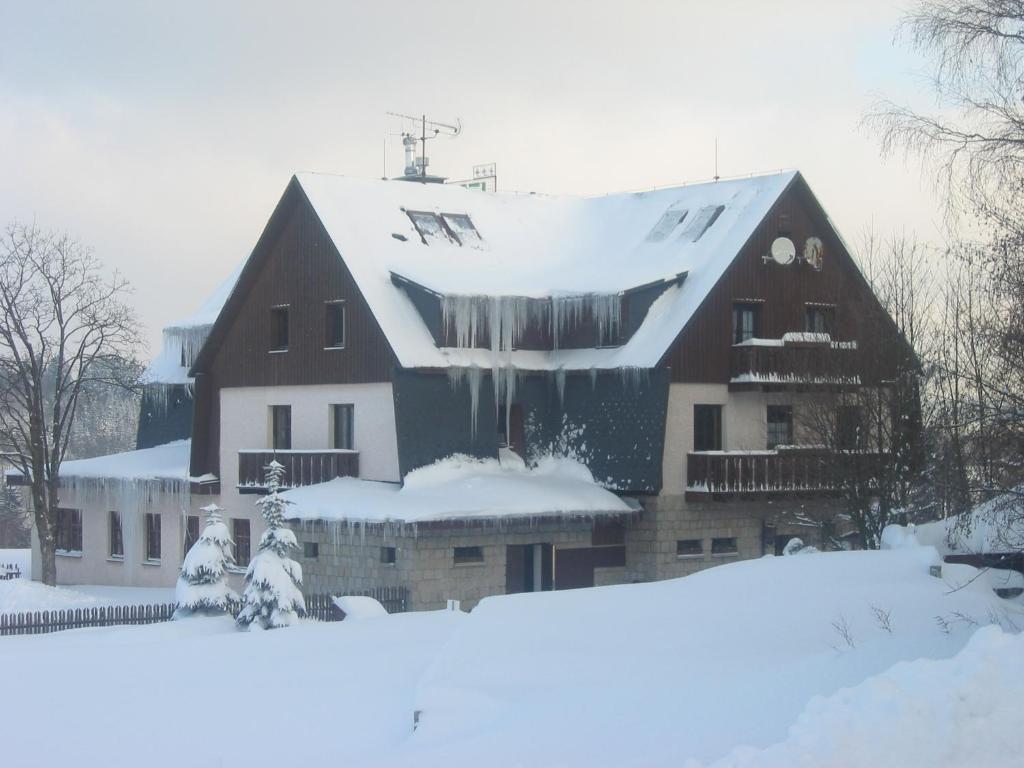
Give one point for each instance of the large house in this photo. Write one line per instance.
(475, 393)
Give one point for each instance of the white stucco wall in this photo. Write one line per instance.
(94, 564)
(744, 424)
(245, 424)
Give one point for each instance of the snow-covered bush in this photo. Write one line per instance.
(272, 597)
(796, 546)
(201, 588)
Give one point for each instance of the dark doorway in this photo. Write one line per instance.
(528, 568)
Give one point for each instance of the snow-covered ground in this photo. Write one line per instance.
(20, 595)
(778, 661)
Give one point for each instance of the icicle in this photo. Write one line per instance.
(560, 386)
(633, 378)
(593, 378)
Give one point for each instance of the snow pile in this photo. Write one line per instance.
(994, 526)
(777, 661)
(689, 668)
(940, 714)
(357, 607)
(22, 595)
(460, 487)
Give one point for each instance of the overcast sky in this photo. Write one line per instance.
(162, 134)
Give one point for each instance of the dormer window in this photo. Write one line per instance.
(431, 227)
(702, 222)
(460, 225)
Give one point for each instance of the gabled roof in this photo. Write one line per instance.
(539, 246)
(534, 246)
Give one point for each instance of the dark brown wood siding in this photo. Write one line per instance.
(701, 353)
(295, 263)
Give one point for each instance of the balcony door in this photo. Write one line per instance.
(281, 427)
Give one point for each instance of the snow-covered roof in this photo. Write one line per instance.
(539, 246)
(183, 338)
(460, 487)
(164, 462)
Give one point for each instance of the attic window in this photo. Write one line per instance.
(460, 225)
(669, 220)
(431, 227)
(702, 222)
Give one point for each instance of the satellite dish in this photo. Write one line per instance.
(783, 251)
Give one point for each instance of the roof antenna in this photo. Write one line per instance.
(717, 177)
(429, 129)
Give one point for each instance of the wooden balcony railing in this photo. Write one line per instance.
(794, 471)
(787, 362)
(300, 467)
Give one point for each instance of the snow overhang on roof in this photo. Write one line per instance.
(461, 488)
(536, 246)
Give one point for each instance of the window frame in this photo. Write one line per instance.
(351, 409)
(275, 410)
(739, 307)
(115, 535)
(683, 554)
(237, 539)
(276, 312)
(152, 524)
(825, 311)
(718, 541)
(68, 531)
(308, 547)
(717, 437)
(787, 420)
(388, 555)
(442, 226)
(455, 233)
(468, 555)
(328, 329)
(859, 440)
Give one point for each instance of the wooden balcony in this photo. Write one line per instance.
(785, 472)
(300, 467)
(759, 363)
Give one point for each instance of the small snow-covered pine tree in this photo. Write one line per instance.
(201, 588)
(272, 596)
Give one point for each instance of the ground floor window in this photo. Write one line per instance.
(310, 550)
(191, 532)
(689, 547)
(724, 546)
(243, 541)
(116, 537)
(68, 533)
(152, 537)
(469, 555)
(388, 555)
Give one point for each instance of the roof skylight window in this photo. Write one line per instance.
(669, 220)
(460, 225)
(702, 222)
(430, 227)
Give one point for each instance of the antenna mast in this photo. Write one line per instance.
(418, 167)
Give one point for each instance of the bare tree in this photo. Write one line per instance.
(64, 332)
(974, 136)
